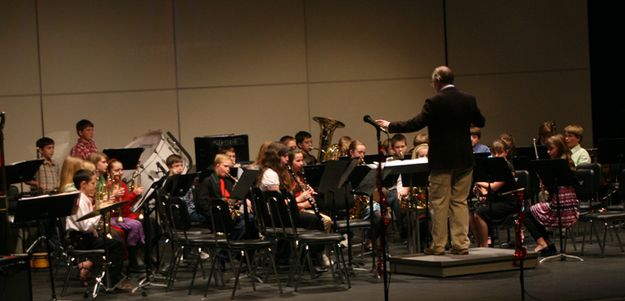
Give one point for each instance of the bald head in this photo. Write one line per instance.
(442, 75)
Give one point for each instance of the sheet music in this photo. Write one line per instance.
(405, 162)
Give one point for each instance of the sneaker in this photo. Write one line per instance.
(325, 261)
(344, 242)
(460, 251)
(429, 251)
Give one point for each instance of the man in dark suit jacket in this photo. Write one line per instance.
(448, 115)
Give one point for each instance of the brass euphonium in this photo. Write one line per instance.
(327, 150)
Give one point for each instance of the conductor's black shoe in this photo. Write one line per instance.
(460, 251)
(429, 251)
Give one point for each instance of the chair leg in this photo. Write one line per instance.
(67, 273)
(197, 262)
(584, 237)
(605, 234)
(335, 273)
(210, 274)
(298, 267)
(311, 266)
(341, 265)
(250, 270)
(618, 238)
(237, 273)
(275, 270)
(174, 267)
(341, 259)
(294, 262)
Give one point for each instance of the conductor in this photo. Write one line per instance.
(448, 114)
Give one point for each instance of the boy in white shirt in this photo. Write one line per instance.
(573, 134)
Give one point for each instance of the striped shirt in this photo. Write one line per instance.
(48, 176)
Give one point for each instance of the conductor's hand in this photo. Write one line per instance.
(383, 123)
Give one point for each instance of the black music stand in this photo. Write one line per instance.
(240, 191)
(329, 184)
(178, 185)
(20, 172)
(369, 159)
(413, 173)
(489, 170)
(555, 173)
(612, 152)
(353, 174)
(313, 174)
(173, 186)
(44, 207)
(152, 193)
(523, 156)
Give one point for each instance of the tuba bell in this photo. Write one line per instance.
(327, 150)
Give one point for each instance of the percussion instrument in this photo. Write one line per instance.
(39, 261)
(157, 146)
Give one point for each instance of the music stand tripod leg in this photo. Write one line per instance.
(561, 255)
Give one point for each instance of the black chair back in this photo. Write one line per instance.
(523, 180)
(597, 173)
(586, 189)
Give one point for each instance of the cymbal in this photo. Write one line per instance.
(102, 209)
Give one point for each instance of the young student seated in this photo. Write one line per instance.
(85, 234)
(573, 134)
(545, 214)
(129, 221)
(214, 192)
(494, 207)
(476, 135)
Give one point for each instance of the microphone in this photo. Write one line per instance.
(161, 168)
(370, 121)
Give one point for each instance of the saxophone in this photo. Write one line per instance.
(327, 150)
(232, 206)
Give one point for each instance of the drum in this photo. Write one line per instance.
(39, 261)
(157, 146)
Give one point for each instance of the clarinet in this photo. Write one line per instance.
(302, 187)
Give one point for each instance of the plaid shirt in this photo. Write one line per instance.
(83, 148)
(48, 176)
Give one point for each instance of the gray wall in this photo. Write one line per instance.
(265, 68)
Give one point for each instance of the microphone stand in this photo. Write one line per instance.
(383, 209)
(519, 250)
(4, 203)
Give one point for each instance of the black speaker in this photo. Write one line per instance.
(15, 281)
(207, 147)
